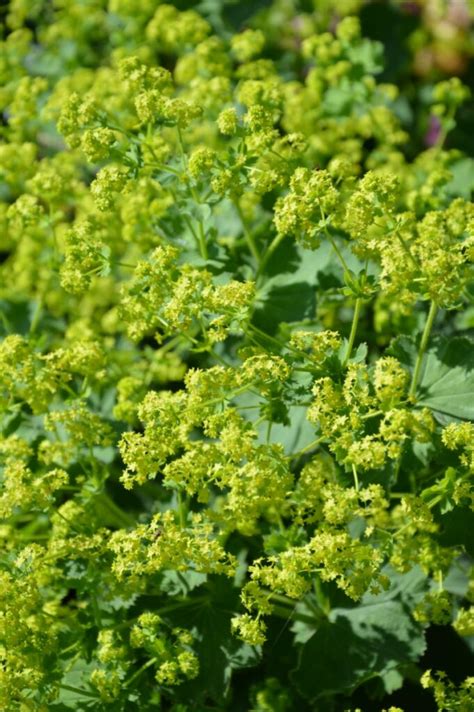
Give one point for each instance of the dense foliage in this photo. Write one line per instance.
(236, 373)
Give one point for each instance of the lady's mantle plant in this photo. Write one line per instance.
(236, 400)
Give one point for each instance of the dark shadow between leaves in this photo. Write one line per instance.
(285, 303)
(369, 650)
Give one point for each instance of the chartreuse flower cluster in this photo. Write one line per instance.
(235, 391)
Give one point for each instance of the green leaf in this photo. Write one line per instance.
(367, 55)
(289, 291)
(462, 182)
(180, 583)
(77, 693)
(218, 651)
(295, 436)
(447, 380)
(283, 300)
(15, 317)
(356, 644)
(456, 529)
(458, 578)
(299, 263)
(296, 433)
(447, 383)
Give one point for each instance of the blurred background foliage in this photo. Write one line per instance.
(424, 41)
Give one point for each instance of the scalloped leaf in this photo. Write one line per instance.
(376, 636)
(447, 379)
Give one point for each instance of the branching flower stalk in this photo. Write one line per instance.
(422, 348)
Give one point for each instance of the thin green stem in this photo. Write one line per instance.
(122, 517)
(184, 162)
(269, 431)
(187, 603)
(398, 464)
(373, 414)
(200, 237)
(170, 345)
(352, 335)
(144, 667)
(261, 333)
(407, 250)
(445, 128)
(321, 597)
(165, 168)
(283, 600)
(311, 445)
(282, 612)
(356, 479)
(202, 241)
(182, 509)
(191, 229)
(36, 316)
(269, 252)
(423, 345)
(337, 251)
(6, 324)
(272, 339)
(85, 693)
(248, 235)
(282, 158)
(181, 147)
